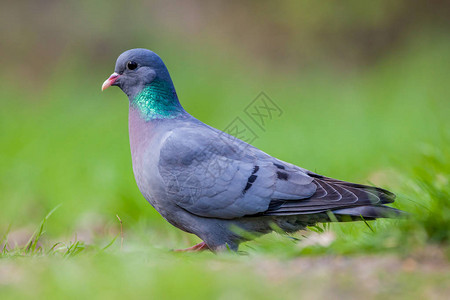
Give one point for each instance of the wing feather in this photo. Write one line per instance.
(212, 174)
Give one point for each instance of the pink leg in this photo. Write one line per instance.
(197, 248)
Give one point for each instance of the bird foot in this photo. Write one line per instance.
(197, 248)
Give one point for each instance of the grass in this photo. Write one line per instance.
(65, 145)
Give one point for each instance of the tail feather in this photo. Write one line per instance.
(370, 212)
(342, 198)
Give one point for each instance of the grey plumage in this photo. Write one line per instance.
(207, 182)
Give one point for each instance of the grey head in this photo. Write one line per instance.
(143, 77)
(135, 69)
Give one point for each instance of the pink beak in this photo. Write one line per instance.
(110, 81)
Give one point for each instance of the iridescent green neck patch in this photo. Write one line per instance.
(158, 100)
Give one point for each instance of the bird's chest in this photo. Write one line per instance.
(145, 145)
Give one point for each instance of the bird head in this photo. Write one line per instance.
(135, 69)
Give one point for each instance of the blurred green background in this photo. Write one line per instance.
(364, 87)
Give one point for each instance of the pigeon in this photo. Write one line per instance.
(216, 186)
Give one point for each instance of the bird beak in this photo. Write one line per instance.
(110, 81)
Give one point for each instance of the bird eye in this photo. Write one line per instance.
(131, 65)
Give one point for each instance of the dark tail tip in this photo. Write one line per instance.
(371, 212)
